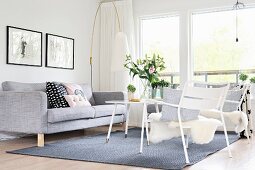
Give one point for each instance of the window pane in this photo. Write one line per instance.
(215, 46)
(199, 78)
(161, 36)
(221, 78)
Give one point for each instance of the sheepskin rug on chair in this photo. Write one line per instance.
(201, 130)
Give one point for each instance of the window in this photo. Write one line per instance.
(160, 35)
(217, 56)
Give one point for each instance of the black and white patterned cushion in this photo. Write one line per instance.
(55, 93)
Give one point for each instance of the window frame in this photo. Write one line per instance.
(155, 16)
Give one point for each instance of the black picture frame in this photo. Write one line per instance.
(49, 58)
(10, 41)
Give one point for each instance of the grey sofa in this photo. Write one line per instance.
(24, 109)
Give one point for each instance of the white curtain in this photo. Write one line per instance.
(117, 81)
(109, 80)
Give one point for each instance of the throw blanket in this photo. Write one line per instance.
(238, 118)
(201, 130)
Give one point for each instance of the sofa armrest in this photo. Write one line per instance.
(24, 112)
(101, 97)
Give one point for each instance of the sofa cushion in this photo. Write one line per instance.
(68, 113)
(233, 95)
(88, 93)
(74, 89)
(106, 110)
(55, 93)
(170, 113)
(77, 100)
(16, 86)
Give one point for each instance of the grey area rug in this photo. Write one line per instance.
(125, 151)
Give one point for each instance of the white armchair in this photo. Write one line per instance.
(196, 96)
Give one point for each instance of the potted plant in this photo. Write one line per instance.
(131, 91)
(146, 69)
(252, 88)
(158, 87)
(154, 88)
(163, 83)
(243, 77)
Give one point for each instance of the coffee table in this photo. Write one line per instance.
(144, 117)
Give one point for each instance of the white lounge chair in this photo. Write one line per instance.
(197, 96)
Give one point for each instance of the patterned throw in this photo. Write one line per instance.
(246, 108)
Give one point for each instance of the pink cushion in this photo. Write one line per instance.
(74, 89)
(77, 100)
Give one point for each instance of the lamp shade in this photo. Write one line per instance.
(120, 50)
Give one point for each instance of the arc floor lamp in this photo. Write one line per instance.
(120, 47)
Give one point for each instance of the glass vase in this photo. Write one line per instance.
(147, 90)
(157, 93)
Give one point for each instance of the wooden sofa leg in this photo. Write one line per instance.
(40, 140)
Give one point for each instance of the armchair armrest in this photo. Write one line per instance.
(101, 97)
(24, 112)
(156, 105)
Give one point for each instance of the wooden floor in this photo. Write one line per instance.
(243, 156)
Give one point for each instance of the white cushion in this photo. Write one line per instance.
(77, 100)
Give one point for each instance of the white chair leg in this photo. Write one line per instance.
(184, 146)
(183, 139)
(247, 134)
(142, 131)
(226, 135)
(110, 127)
(147, 130)
(127, 120)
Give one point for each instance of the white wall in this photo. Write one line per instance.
(70, 18)
(184, 8)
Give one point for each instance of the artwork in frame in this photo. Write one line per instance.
(59, 52)
(24, 47)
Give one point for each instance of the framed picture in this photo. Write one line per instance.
(59, 52)
(24, 47)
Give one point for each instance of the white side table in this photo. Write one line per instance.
(144, 118)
